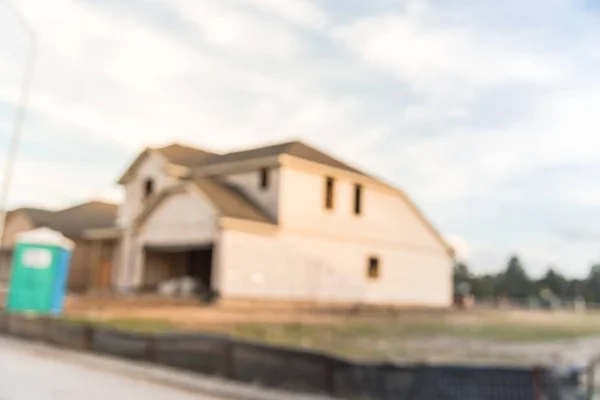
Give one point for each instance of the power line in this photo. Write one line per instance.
(21, 110)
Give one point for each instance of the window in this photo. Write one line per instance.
(264, 178)
(373, 268)
(329, 189)
(357, 199)
(148, 187)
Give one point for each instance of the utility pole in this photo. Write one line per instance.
(15, 138)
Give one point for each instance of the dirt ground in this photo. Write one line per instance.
(474, 336)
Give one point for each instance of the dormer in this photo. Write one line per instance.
(152, 171)
(253, 172)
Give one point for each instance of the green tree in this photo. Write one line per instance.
(592, 285)
(484, 287)
(575, 288)
(461, 273)
(556, 283)
(514, 282)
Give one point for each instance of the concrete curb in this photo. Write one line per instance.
(181, 380)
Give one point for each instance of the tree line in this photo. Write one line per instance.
(514, 283)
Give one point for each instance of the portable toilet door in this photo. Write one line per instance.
(39, 272)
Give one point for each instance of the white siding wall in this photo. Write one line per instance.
(151, 167)
(295, 267)
(249, 184)
(385, 216)
(128, 271)
(181, 219)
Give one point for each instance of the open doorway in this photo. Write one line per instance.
(180, 270)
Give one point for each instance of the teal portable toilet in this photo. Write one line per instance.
(40, 269)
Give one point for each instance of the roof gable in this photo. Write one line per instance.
(175, 153)
(227, 201)
(231, 202)
(135, 165)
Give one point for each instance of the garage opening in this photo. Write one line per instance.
(179, 271)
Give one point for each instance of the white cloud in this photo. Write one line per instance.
(451, 68)
(461, 247)
(54, 184)
(228, 28)
(304, 13)
(431, 57)
(121, 79)
(112, 194)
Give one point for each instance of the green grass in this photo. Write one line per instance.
(131, 324)
(388, 339)
(493, 331)
(514, 333)
(391, 337)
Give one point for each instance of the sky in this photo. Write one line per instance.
(483, 112)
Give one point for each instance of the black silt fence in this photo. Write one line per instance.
(297, 370)
(282, 368)
(204, 354)
(77, 336)
(117, 343)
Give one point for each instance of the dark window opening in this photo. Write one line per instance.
(329, 188)
(373, 268)
(264, 178)
(357, 199)
(148, 187)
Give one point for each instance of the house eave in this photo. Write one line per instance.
(234, 167)
(249, 226)
(102, 233)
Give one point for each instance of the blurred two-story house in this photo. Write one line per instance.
(282, 222)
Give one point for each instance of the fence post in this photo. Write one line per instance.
(591, 370)
(329, 369)
(150, 348)
(228, 359)
(88, 337)
(537, 383)
(45, 321)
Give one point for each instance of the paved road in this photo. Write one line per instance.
(27, 375)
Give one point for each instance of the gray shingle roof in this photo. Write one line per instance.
(73, 221)
(230, 201)
(194, 157)
(295, 148)
(37, 216)
(184, 155)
